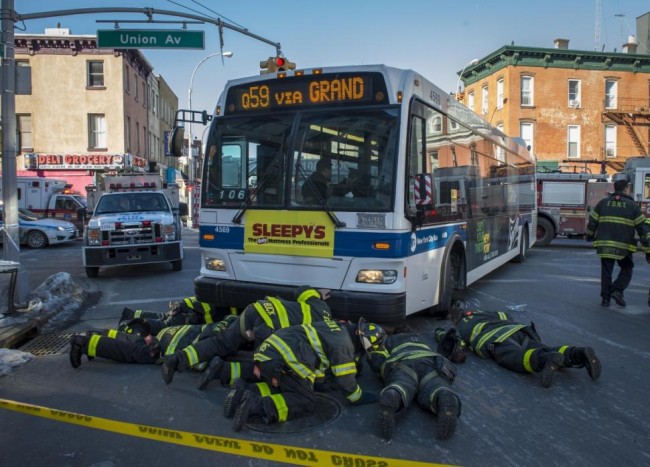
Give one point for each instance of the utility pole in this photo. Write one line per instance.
(10, 247)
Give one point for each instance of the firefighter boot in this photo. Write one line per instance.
(552, 364)
(617, 296)
(169, 367)
(76, 350)
(213, 371)
(233, 398)
(389, 404)
(586, 356)
(447, 411)
(251, 404)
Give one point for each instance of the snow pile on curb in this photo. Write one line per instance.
(59, 299)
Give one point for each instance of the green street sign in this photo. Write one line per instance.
(150, 39)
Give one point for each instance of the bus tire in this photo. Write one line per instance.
(545, 232)
(177, 265)
(523, 247)
(452, 285)
(92, 271)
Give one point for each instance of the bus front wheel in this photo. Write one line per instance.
(451, 285)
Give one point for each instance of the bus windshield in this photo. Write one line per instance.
(337, 159)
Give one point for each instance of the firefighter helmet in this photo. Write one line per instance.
(371, 335)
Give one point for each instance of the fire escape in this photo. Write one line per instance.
(634, 115)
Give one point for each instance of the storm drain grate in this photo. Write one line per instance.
(48, 344)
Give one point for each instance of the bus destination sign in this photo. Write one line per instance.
(307, 91)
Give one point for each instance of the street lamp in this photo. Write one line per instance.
(189, 132)
(470, 63)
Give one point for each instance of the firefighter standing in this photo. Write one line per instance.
(409, 366)
(288, 363)
(257, 322)
(611, 227)
(516, 346)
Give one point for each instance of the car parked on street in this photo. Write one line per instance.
(37, 232)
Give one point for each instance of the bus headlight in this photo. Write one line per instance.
(93, 236)
(377, 276)
(215, 264)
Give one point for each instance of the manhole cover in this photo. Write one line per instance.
(48, 344)
(327, 410)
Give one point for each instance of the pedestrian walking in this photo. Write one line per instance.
(612, 226)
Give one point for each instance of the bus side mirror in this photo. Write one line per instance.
(177, 142)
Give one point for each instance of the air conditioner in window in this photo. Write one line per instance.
(575, 103)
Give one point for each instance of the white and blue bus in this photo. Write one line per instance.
(421, 198)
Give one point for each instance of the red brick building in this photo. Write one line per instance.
(581, 110)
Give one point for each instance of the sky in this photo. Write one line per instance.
(436, 38)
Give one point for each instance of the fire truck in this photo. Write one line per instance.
(51, 197)
(637, 172)
(564, 202)
(135, 220)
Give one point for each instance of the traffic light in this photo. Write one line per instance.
(278, 63)
(283, 64)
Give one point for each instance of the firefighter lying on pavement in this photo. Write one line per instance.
(186, 311)
(136, 344)
(409, 366)
(516, 346)
(257, 322)
(287, 365)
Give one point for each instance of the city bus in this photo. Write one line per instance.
(419, 197)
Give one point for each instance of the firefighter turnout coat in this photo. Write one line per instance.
(612, 226)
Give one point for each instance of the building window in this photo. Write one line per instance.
(610, 140)
(574, 93)
(127, 80)
(470, 100)
(526, 132)
(136, 87)
(127, 134)
(145, 141)
(527, 88)
(484, 100)
(435, 125)
(97, 131)
(95, 74)
(144, 94)
(500, 152)
(611, 90)
(500, 94)
(137, 138)
(573, 142)
(24, 123)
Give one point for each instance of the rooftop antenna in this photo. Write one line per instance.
(599, 14)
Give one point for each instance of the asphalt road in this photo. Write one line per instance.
(507, 418)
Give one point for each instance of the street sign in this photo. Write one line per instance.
(150, 39)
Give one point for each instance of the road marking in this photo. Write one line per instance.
(272, 452)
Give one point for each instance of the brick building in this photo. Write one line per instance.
(578, 110)
(89, 109)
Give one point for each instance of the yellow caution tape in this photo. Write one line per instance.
(238, 447)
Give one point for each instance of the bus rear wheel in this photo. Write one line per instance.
(523, 247)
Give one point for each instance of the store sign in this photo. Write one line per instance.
(83, 161)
